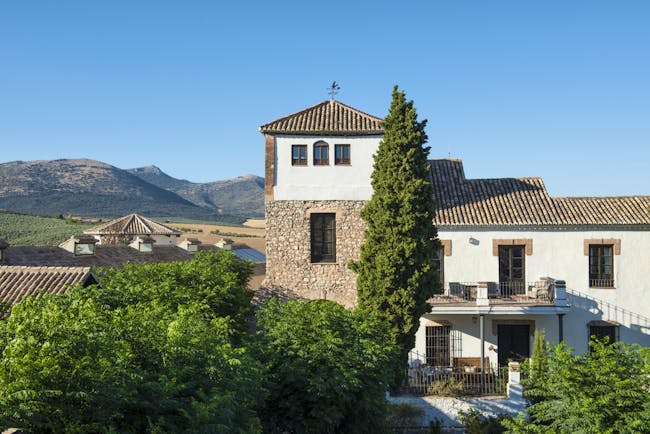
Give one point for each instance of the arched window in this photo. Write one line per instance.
(321, 154)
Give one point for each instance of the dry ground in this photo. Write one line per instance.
(207, 237)
(191, 230)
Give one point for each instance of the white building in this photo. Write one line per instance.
(514, 259)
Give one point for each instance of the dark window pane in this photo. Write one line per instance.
(321, 154)
(323, 237)
(299, 155)
(341, 154)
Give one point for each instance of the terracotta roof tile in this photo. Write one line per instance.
(105, 256)
(18, 282)
(522, 201)
(326, 118)
(132, 224)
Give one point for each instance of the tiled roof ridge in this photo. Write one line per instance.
(71, 269)
(120, 224)
(377, 118)
(522, 201)
(329, 116)
(629, 196)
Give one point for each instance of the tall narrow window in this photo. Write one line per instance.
(439, 262)
(321, 154)
(298, 155)
(438, 345)
(342, 154)
(323, 237)
(601, 265)
(511, 270)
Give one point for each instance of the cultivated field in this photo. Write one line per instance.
(30, 230)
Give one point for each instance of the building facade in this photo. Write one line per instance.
(514, 259)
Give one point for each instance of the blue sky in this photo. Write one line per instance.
(557, 89)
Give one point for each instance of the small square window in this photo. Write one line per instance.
(299, 155)
(84, 249)
(341, 154)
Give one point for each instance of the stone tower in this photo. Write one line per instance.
(317, 180)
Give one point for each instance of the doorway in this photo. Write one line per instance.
(513, 342)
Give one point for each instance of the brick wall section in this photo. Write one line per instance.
(269, 166)
(288, 250)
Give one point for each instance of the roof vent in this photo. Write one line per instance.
(79, 245)
(190, 244)
(225, 243)
(143, 244)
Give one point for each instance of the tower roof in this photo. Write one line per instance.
(132, 224)
(326, 118)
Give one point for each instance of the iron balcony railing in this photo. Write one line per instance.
(601, 283)
(517, 292)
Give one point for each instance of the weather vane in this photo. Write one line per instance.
(333, 89)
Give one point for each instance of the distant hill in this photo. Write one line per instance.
(238, 196)
(95, 189)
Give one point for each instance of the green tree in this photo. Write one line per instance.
(396, 272)
(326, 368)
(603, 391)
(155, 350)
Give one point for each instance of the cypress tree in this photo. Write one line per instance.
(396, 274)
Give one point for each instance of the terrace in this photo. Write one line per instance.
(543, 292)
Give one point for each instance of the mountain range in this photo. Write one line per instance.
(94, 189)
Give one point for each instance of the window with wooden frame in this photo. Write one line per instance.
(298, 155)
(321, 154)
(512, 270)
(342, 154)
(323, 237)
(439, 262)
(601, 265)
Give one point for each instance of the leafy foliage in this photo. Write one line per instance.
(403, 416)
(396, 274)
(31, 230)
(155, 350)
(604, 391)
(326, 368)
(476, 423)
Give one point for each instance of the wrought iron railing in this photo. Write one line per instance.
(518, 292)
(425, 380)
(462, 377)
(601, 283)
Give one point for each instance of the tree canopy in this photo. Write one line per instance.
(396, 271)
(154, 350)
(326, 368)
(604, 391)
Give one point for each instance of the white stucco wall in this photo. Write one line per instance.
(560, 255)
(331, 182)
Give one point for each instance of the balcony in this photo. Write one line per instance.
(543, 292)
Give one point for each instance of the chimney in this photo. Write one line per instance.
(3, 245)
(190, 244)
(225, 244)
(80, 245)
(143, 243)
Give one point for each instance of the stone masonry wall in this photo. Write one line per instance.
(288, 250)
